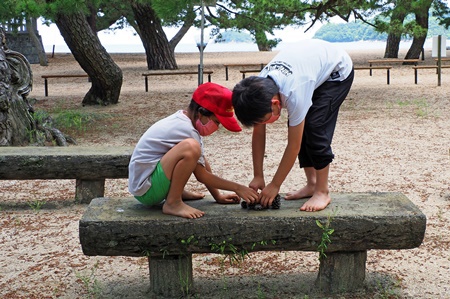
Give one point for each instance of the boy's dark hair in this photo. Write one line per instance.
(252, 99)
(196, 108)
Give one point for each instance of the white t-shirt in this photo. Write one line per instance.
(154, 144)
(299, 70)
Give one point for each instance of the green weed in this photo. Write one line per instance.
(90, 282)
(327, 231)
(36, 205)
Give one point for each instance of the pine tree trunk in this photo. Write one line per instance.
(105, 75)
(392, 46)
(422, 17)
(36, 42)
(159, 54)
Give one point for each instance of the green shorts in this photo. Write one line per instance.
(159, 189)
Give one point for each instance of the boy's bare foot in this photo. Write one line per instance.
(306, 191)
(182, 210)
(189, 195)
(318, 202)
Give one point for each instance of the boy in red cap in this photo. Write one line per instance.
(172, 149)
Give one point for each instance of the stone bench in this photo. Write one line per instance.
(90, 166)
(361, 221)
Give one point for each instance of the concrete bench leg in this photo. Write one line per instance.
(171, 276)
(86, 190)
(342, 271)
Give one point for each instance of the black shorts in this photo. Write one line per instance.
(320, 123)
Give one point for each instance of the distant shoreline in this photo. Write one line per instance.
(236, 47)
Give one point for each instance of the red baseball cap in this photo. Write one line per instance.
(217, 99)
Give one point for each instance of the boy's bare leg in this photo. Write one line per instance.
(308, 190)
(190, 195)
(321, 197)
(178, 165)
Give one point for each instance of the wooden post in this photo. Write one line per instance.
(439, 59)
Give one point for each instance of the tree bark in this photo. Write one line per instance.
(36, 42)
(16, 123)
(105, 75)
(159, 54)
(422, 17)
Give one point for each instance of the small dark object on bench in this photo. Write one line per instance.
(257, 207)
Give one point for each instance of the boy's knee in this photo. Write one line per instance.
(192, 147)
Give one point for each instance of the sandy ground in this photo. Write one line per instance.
(389, 138)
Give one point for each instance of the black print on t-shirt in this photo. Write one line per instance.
(282, 67)
(335, 75)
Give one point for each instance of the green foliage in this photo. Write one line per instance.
(75, 120)
(327, 231)
(348, 32)
(357, 31)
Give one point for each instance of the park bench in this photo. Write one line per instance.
(419, 67)
(361, 221)
(243, 72)
(90, 166)
(46, 77)
(392, 60)
(172, 73)
(258, 66)
(370, 68)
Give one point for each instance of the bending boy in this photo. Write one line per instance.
(311, 81)
(171, 150)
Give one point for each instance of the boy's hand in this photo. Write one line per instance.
(231, 198)
(248, 194)
(268, 194)
(257, 183)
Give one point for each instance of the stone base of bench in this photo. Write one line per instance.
(361, 221)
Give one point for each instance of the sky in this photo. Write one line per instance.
(115, 40)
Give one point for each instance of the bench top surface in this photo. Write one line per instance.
(65, 76)
(361, 221)
(372, 67)
(174, 72)
(243, 64)
(72, 162)
(392, 60)
(352, 205)
(55, 151)
(430, 66)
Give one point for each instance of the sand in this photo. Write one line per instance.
(389, 138)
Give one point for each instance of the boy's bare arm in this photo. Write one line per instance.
(213, 182)
(258, 149)
(295, 134)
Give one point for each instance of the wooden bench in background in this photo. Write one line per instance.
(259, 66)
(443, 59)
(370, 68)
(243, 72)
(46, 77)
(392, 60)
(418, 67)
(361, 222)
(90, 166)
(172, 73)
